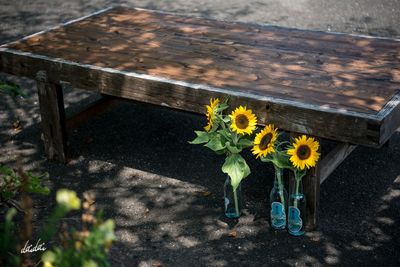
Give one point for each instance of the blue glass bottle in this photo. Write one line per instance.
(232, 199)
(297, 209)
(278, 201)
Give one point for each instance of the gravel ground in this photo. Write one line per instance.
(151, 181)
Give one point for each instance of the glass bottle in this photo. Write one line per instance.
(297, 208)
(278, 201)
(233, 199)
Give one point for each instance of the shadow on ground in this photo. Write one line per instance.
(151, 181)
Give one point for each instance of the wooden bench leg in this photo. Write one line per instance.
(388, 143)
(53, 118)
(311, 184)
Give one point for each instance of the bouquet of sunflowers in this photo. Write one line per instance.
(297, 156)
(228, 135)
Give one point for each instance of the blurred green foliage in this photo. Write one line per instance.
(11, 89)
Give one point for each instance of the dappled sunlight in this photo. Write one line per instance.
(333, 254)
(393, 193)
(158, 212)
(310, 69)
(152, 182)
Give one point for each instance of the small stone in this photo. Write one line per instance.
(232, 234)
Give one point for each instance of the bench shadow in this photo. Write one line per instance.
(151, 181)
(146, 176)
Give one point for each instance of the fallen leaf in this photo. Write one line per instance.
(17, 125)
(157, 264)
(206, 193)
(232, 234)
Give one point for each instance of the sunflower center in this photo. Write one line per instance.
(265, 141)
(241, 121)
(304, 152)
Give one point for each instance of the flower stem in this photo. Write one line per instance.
(280, 184)
(236, 203)
(296, 192)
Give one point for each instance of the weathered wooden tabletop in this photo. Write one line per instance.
(336, 86)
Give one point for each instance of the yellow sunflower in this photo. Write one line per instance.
(304, 153)
(264, 142)
(243, 120)
(211, 113)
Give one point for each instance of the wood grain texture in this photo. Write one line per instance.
(328, 85)
(391, 119)
(311, 185)
(53, 118)
(324, 69)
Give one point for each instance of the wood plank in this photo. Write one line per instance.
(243, 27)
(53, 118)
(250, 32)
(311, 185)
(251, 63)
(92, 110)
(365, 84)
(259, 76)
(168, 41)
(136, 34)
(340, 125)
(333, 159)
(390, 116)
(277, 85)
(261, 81)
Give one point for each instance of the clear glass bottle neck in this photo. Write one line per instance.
(297, 186)
(278, 181)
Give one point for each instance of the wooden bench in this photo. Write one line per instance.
(335, 86)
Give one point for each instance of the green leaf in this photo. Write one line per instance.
(7, 195)
(215, 143)
(202, 137)
(232, 149)
(7, 233)
(11, 89)
(225, 134)
(245, 143)
(90, 263)
(220, 152)
(49, 257)
(226, 119)
(222, 107)
(236, 167)
(35, 186)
